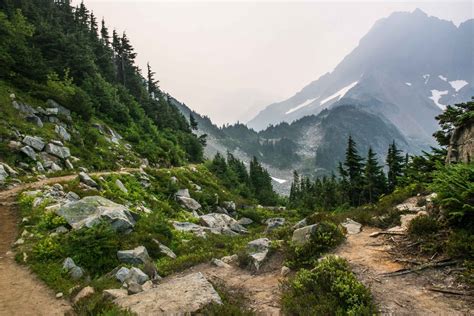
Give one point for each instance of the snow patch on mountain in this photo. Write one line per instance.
(458, 84)
(443, 78)
(436, 96)
(281, 181)
(339, 94)
(302, 105)
(408, 84)
(426, 77)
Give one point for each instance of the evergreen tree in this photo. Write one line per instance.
(374, 178)
(261, 183)
(93, 26)
(104, 34)
(353, 166)
(395, 162)
(192, 122)
(151, 82)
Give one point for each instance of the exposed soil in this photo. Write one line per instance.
(22, 293)
(397, 295)
(261, 290)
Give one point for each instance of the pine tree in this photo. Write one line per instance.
(353, 166)
(374, 178)
(104, 34)
(395, 162)
(151, 82)
(93, 26)
(192, 122)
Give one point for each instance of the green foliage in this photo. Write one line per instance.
(330, 288)
(326, 236)
(460, 243)
(395, 163)
(454, 185)
(97, 305)
(49, 221)
(48, 248)
(454, 116)
(423, 225)
(94, 249)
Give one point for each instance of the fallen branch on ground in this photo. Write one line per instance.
(375, 234)
(448, 291)
(422, 267)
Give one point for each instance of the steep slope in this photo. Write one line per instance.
(408, 67)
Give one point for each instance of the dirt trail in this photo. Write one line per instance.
(21, 293)
(262, 290)
(396, 295)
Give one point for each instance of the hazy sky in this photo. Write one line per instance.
(228, 60)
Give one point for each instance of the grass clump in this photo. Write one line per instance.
(326, 236)
(328, 289)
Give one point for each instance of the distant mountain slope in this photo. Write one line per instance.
(407, 68)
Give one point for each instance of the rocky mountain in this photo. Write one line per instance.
(406, 69)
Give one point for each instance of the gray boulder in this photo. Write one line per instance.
(68, 164)
(351, 226)
(139, 255)
(245, 221)
(54, 167)
(91, 210)
(230, 205)
(223, 223)
(30, 152)
(258, 250)
(136, 276)
(40, 167)
(3, 174)
(189, 203)
(301, 223)
(122, 274)
(197, 230)
(62, 132)
(58, 151)
(75, 272)
(33, 118)
(134, 288)
(86, 179)
(61, 109)
(303, 235)
(121, 186)
(183, 193)
(273, 223)
(34, 142)
(165, 250)
(178, 296)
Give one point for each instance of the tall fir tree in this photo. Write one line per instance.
(374, 178)
(395, 163)
(353, 166)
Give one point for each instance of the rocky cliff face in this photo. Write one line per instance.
(461, 148)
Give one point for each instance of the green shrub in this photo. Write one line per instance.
(97, 305)
(49, 220)
(460, 243)
(328, 289)
(423, 225)
(454, 185)
(326, 236)
(94, 249)
(48, 248)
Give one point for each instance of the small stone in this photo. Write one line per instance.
(285, 271)
(85, 292)
(59, 295)
(230, 259)
(121, 186)
(219, 263)
(134, 288)
(30, 152)
(122, 274)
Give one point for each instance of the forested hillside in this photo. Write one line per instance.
(50, 50)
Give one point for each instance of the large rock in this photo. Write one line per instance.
(122, 274)
(165, 250)
(30, 152)
(258, 250)
(275, 222)
(461, 144)
(139, 255)
(34, 142)
(90, 210)
(189, 203)
(351, 226)
(3, 174)
(58, 151)
(62, 132)
(86, 179)
(197, 230)
(222, 223)
(178, 296)
(121, 186)
(75, 272)
(61, 109)
(183, 193)
(136, 276)
(303, 235)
